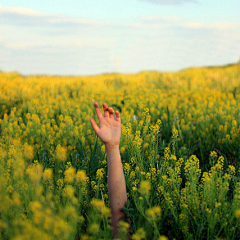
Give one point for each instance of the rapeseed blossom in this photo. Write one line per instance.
(28, 151)
(100, 206)
(153, 213)
(139, 235)
(81, 176)
(162, 237)
(100, 173)
(70, 174)
(237, 213)
(47, 174)
(123, 226)
(35, 171)
(176, 128)
(61, 153)
(145, 187)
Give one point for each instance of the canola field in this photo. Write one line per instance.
(180, 149)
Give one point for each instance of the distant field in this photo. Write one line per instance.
(180, 149)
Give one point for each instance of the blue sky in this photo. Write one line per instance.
(83, 37)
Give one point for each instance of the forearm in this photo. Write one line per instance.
(116, 185)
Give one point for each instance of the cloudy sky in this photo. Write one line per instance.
(82, 37)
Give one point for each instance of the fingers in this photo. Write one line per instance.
(118, 116)
(111, 113)
(98, 111)
(95, 126)
(106, 112)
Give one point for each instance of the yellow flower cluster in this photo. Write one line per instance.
(100, 173)
(153, 213)
(81, 176)
(48, 154)
(61, 153)
(35, 171)
(145, 187)
(100, 206)
(139, 235)
(48, 174)
(70, 174)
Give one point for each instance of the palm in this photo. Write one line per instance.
(109, 130)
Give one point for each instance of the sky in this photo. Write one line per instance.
(87, 37)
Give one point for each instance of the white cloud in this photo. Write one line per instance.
(151, 22)
(220, 26)
(36, 42)
(25, 16)
(22, 11)
(152, 19)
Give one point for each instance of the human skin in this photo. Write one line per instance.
(109, 131)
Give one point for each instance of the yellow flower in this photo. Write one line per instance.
(145, 146)
(81, 219)
(61, 153)
(85, 237)
(28, 115)
(123, 226)
(153, 213)
(126, 167)
(10, 189)
(106, 211)
(35, 171)
(93, 228)
(173, 157)
(162, 237)
(61, 117)
(81, 176)
(237, 213)
(100, 206)
(69, 191)
(59, 183)
(47, 174)
(37, 217)
(16, 199)
(213, 154)
(218, 204)
(47, 223)
(174, 133)
(139, 235)
(61, 228)
(145, 187)
(100, 173)
(35, 206)
(231, 169)
(148, 176)
(132, 175)
(70, 212)
(69, 174)
(3, 153)
(28, 151)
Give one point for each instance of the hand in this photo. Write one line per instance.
(109, 130)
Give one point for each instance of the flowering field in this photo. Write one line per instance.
(180, 149)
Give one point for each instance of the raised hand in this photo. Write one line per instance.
(109, 130)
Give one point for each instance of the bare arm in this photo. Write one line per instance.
(110, 133)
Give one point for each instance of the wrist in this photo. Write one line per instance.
(111, 147)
